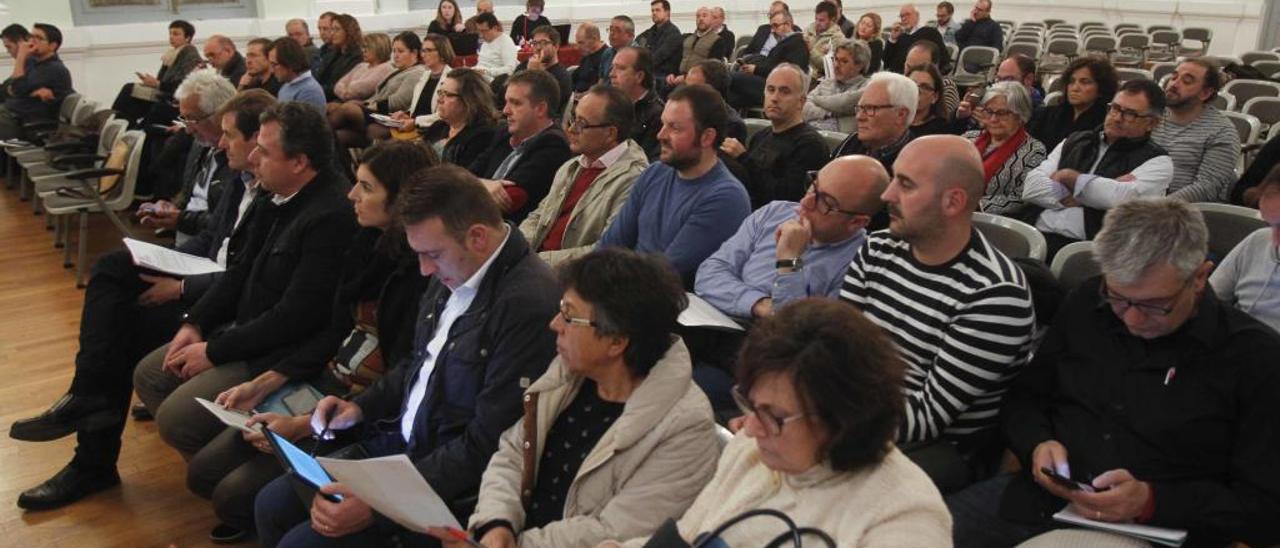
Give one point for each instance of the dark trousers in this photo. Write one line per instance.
(130, 108)
(115, 332)
(975, 514)
(230, 472)
(746, 91)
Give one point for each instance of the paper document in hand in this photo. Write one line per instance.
(1158, 535)
(391, 485)
(700, 313)
(234, 418)
(166, 260)
(385, 120)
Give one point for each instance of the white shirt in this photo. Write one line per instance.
(250, 192)
(457, 304)
(497, 57)
(1149, 181)
(605, 160)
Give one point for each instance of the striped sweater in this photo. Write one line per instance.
(964, 329)
(1204, 155)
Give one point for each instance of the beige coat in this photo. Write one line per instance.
(646, 468)
(594, 211)
(821, 43)
(397, 89)
(891, 504)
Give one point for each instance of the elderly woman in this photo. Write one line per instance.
(931, 118)
(394, 93)
(821, 388)
(868, 30)
(833, 104)
(363, 80)
(616, 437)
(1089, 84)
(1008, 151)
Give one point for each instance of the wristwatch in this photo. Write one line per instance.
(794, 263)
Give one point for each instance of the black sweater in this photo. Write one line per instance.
(778, 163)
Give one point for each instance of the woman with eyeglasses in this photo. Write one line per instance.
(1088, 85)
(394, 93)
(821, 390)
(616, 437)
(930, 116)
(1249, 278)
(437, 55)
(1008, 151)
(467, 118)
(346, 43)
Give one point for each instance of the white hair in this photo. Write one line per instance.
(1140, 234)
(1015, 95)
(903, 92)
(210, 86)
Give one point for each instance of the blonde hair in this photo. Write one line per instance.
(379, 44)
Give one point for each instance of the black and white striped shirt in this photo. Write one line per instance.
(964, 328)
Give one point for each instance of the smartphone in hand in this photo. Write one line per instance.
(1068, 483)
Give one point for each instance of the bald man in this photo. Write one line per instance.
(590, 45)
(298, 31)
(778, 158)
(905, 33)
(220, 52)
(958, 310)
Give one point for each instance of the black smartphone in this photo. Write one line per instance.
(1068, 483)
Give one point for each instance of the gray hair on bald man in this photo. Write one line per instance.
(1140, 234)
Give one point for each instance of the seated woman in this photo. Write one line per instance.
(345, 39)
(931, 119)
(821, 388)
(394, 93)
(132, 103)
(532, 18)
(1249, 278)
(363, 80)
(616, 437)
(467, 118)
(448, 20)
(371, 330)
(868, 30)
(1089, 83)
(1008, 151)
(437, 55)
(833, 103)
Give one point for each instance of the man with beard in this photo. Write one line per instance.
(688, 204)
(1201, 140)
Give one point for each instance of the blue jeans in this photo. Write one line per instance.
(285, 520)
(975, 514)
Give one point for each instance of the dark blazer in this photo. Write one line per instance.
(648, 122)
(280, 294)
(895, 53)
(666, 44)
(757, 40)
(791, 49)
(222, 224)
(589, 71)
(495, 349)
(543, 155)
(466, 146)
(235, 69)
(335, 65)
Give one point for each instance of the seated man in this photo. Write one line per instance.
(946, 23)
(622, 33)
(746, 91)
(663, 40)
(589, 189)
(1090, 172)
(521, 161)
(632, 73)
(688, 204)
(885, 111)
(545, 44)
(257, 74)
(273, 299)
(958, 310)
(127, 313)
(710, 40)
(1249, 278)
(980, 30)
(482, 338)
(38, 84)
(292, 69)
(592, 49)
(220, 52)
(822, 35)
(833, 103)
(1150, 390)
(497, 55)
(907, 32)
(716, 74)
(778, 158)
(1200, 140)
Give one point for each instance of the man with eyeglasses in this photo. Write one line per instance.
(746, 90)
(885, 110)
(622, 33)
(38, 84)
(906, 33)
(1202, 142)
(545, 44)
(220, 53)
(777, 157)
(1092, 171)
(1150, 391)
(589, 189)
(945, 22)
(291, 68)
(980, 29)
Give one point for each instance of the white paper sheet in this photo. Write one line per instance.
(392, 486)
(231, 417)
(385, 120)
(1158, 535)
(700, 313)
(169, 261)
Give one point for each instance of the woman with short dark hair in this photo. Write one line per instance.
(821, 388)
(393, 94)
(135, 99)
(532, 18)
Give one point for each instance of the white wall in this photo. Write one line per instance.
(102, 58)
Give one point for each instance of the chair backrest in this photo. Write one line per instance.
(1167, 38)
(1092, 24)
(68, 107)
(1127, 26)
(122, 196)
(1064, 46)
(1228, 226)
(1053, 98)
(1031, 50)
(1074, 264)
(1267, 67)
(1250, 57)
(84, 109)
(111, 132)
(953, 51)
(1265, 109)
(1012, 237)
(1159, 70)
(1200, 34)
(1032, 25)
(1247, 127)
(1128, 73)
(1154, 28)
(1244, 89)
(1221, 101)
(1126, 31)
(832, 139)
(1103, 43)
(754, 125)
(983, 56)
(1134, 41)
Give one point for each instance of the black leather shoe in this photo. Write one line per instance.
(226, 534)
(67, 486)
(68, 414)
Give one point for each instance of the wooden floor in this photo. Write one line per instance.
(39, 322)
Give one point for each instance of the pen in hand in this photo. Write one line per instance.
(324, 435)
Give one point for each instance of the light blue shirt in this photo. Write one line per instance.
(304, 88)
(743, 270)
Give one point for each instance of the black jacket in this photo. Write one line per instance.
(791, 49)
(495, 349)
(279, 294)
(193, 222)
(778, 163)
(522, 29)
(588, 72)
(336, 64)
(466, 146)
(648, 123)
(235, 69)
(666, 44)
(757, 40)
(542, 156)
(207, 243)
(1266, 159)
(1050, 125)
(980, 33)
(895, 53)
